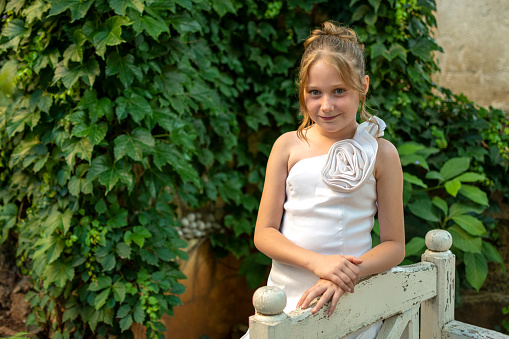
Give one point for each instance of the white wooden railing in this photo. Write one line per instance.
(415, 301)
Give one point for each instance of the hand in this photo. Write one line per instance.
(326, 290)
(342, 270)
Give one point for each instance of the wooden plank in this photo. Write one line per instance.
(458, 330)
(379, 297)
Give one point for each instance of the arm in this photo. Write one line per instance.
(269, 240)
(389, 185)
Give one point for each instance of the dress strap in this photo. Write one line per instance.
(350, 162)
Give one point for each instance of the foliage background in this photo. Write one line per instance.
(120, 117)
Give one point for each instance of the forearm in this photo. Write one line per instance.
(381, 258)
(277, 247)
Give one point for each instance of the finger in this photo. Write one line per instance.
(353, 259)
(302, 298)
(353, 268)
(334, 301)
(323, 299)
(311, 295)
(340, 283)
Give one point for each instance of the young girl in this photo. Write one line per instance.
(326, 181)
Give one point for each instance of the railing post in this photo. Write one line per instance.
(438, 311)
(269, 321)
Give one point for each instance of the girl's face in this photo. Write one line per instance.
(330, 104)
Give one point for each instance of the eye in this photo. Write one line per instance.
(314, 92)
(339, 91)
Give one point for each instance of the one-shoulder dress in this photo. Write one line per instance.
(330, 206)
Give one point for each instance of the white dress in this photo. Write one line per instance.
(329, 209)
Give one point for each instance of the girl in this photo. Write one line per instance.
(325, 182)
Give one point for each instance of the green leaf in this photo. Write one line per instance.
(134, 105)
(415, 246)
(471, 177)
(59, 273)
(110, 34)
(459, 208)
(360, 12)
(470, 224)
(107, 262)
(152, 25)
(81, 148)
(223, 6)
(452, 187)
(100, 284)
(14, 29)
(126, 323)
(124, 67)
(123, 311)
(139, 314)
(123, 250)
(475, 194)
(407, 148)
(491, 253)
(414, 180)
(8, 219)
(414, 159)
(78, 8)
(120, 6)
(454, 167)
(20, 118)
(464, 241)
(440, 203)
(183, 23)
(134, 145)
(165, 153)
(109, 174)
(119, 291)
(69, 76)
(476, 269)
(379, 49)
(22, 150)
(101, 298)
(435, 175)
(424, 209)
(395, 51)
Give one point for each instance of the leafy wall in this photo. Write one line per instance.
(120, 119)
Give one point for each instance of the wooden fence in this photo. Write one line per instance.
(415, 301)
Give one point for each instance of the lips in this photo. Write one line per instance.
(329, 118)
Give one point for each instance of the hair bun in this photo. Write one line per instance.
(335, 30)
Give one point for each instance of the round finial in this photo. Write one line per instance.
(269, 300)
(438, 240)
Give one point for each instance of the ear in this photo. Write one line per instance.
(365, 84)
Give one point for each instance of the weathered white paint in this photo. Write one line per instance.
(389, 293)
(459, 330)
(438, 311)
(395, 295)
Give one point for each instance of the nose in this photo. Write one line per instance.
(327, 105)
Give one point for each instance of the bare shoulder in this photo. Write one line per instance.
(387, 159)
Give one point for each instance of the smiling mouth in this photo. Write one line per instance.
(329, 118)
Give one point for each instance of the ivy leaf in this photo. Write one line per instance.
(120, 6)
(476, 269)
(123, 250)
(422, 46)
(124, 67)
(133, 145)
(110, 34)
(153, 26)
(134, 105)
(101, 298)
(165, 153)
(126, 323)
(223, 6)
(183, 24)
(20, 119)
(475, 194)
(22, 150)
(8, 219)
(119, 291)
(77, 185)
(107, 262)
(139, 314)
(360, 12)
(15, 29)
(108, 173)
(81, 148)
(395, 51)
(59, 273)
(35, 11)
(470, 224)
(78, 8)
(87, 71)
(100, 284)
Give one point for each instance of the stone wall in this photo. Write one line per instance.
(475, 38)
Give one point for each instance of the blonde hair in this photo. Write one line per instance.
(339, 47)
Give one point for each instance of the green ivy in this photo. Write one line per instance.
(119, 117)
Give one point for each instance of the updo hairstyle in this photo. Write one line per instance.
(338, 46)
